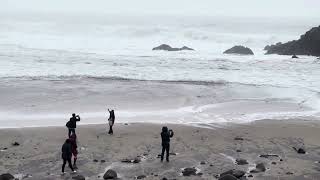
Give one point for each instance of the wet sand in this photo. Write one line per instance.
(38, 155)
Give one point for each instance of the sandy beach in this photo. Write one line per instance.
(211, 151)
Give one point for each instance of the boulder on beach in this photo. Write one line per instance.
(241, 162)
(110, 174)
(78, 177)
(260, 167)
(233, 172)
(294, 57)
(189, 172)
(228, 177)
(166, 47)
(6, 176)
(239, 50)
(308, 44)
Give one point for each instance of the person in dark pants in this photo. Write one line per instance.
(72, 124)
(66, 155)
(165, 137)
(111, 121)
(74, 150)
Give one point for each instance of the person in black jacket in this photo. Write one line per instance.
(72, 124)
(111, 121)
(66, 155)
(165, 137)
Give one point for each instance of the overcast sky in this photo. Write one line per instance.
(299, 8)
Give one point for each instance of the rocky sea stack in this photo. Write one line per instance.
(239, 50)
(166, 47)
(308, 44)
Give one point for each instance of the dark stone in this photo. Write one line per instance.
(299, 150)
(103, 161)
(289, 173)
(259, 168)
(268, 155)
(189, 171)
(6, 176)
(78, 177)
(137, 160)
(228, 177)
(199, 174)
(250, 175)
(15, 144)
(110, 174)
(166, 47)
(164, 178)
(238, 150)
(126, 124)
(235, 173)
(308, 44)
(238, 139)
(281, 159)
(172, 153)
(294, 57)
(95, 160)
(239, 50)
(141, 177)
(202, 162)
(274, 163)
(241, 162)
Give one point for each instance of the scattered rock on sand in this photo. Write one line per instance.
(228, 177)
(6, 176)
(103, 161)
(166, 47)
(203, 163)
(78, 177)
(259, 168)
(300, 150)
(294, 57)
(189, 172)
(233, 172)
(268, 155)
(238, 139)
(135, 160)
(95, 160)
(141, 177)
(15, 144)
(241, 162)
(110, 174)
(239, 50)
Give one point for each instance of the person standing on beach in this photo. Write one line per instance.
(111, 121)
(165, 137)
(66, 155)
(72, 124)
(73, 142)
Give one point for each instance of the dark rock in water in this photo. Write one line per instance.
(241, 162)
(235, 173)
(110, 174)
(228, 177)
(238, 139)
(189, 172)
(308, 44)
(6, 176)
(294, 57)
(239, 50)
(166, 47)
(299, 150)
(203, 163)
(78, 177)
(141, 177)
(259, 168)
(15, 144)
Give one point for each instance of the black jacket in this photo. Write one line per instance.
(165, 137)
(73, 122)
(66, 151)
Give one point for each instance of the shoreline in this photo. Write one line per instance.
(39, 151)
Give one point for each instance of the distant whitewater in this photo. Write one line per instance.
(61, 47)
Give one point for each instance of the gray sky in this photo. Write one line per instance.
(299, 8)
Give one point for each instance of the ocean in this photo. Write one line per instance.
(61, 47)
